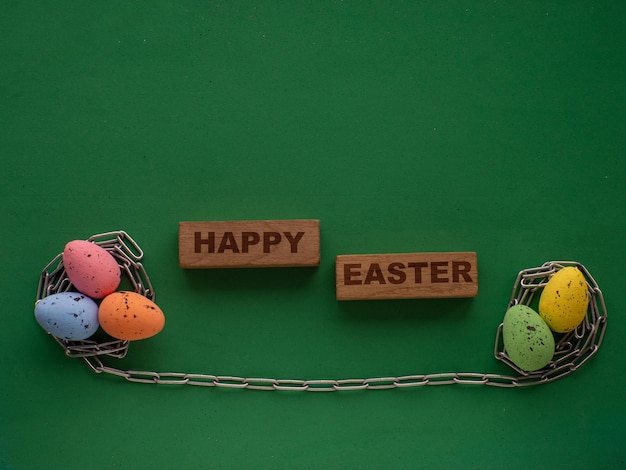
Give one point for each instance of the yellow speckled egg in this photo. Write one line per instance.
(564, 300)
(130, 316)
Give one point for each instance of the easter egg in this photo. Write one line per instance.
(68, 315)
(91, 269)
(130, 316)
(528, 340)
(564, 300)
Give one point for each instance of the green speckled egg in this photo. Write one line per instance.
(528, 340)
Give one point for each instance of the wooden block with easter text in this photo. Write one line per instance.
(406, 276)
(249, 243)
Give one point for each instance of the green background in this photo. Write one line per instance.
(495, 127)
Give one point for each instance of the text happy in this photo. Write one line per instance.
(250, 243)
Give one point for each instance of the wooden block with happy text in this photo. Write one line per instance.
(406, 276)
(249, 243)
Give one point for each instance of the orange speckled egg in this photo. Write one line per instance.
(91, 268)
(130, 316)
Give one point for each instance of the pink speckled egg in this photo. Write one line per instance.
(91, 269)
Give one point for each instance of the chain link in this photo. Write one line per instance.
(572, 349)
(316, 385)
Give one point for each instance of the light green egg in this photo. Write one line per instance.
(528, 340)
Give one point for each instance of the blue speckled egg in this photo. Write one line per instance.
(68, 315)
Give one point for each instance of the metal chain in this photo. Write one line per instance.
(572, 349)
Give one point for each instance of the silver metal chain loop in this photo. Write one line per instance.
(572, 349)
